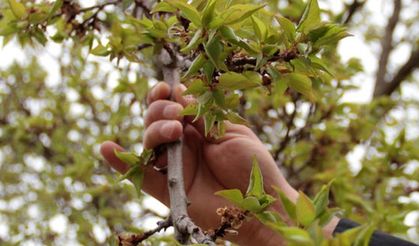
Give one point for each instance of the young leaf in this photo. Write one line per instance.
(163, 7)
(288, 205)
(288, 27)
(239, 81)
(136, 175)
(100, 50)
(191, 109)
(235, 118)
(301, 83)
(195, 41)
(18, 9)
(310, 18)
(251, 204)
(239, 12)
(260, 28)
(129, 158)
(296, 235)
(255, 187)
(188, 11)
(209, 120)
(197, 64)
(234, 196)
(321, 200)
(196, 88)
(214, 49)
(305, 210)
(208, 13)
(57, 5)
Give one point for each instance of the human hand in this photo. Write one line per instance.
(210, 165)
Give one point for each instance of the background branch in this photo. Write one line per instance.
(386, 48)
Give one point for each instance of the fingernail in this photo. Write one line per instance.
(168, 129)
(182, 87)
(172, 111)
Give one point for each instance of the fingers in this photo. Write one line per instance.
(161, 132)
(158, 92)
(163, 110)
(107, 149)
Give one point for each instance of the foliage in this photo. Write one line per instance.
(246, 62)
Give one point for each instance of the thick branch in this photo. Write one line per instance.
(184, 227)
(387, 47)
(389, 87)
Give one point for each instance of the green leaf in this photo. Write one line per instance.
(310, 18)
(239, 12)
(300, 83)
(196, 88)
(296, 235)
(260, 28)
(305, 210)
(214, 49)
(129, 158)
(229, 34)
(195, 41)
(251, 204)
(234, 196)
(163, 7)
(209, 121)
(191, 109)
(239, 81)
(235, 118)
(219, 97)
(208, 13)
(136, 175)
(288, 27)
(57, 5)
(188, 11)
(288, 205)
(40, 36)
(321, 200)
(327, 34)
(255, 187)
(18, 9)
(100, 50)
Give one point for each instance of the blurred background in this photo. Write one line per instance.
(58, 103)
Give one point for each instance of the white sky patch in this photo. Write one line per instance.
(58, 223)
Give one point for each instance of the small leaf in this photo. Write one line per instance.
(195, 41)
(251, 204)
(255, 187)
(239, 12)
(57, 5)
(296, 235)
(321, 200)
(235, 118)
(163, 7)
(301, 83)
(188, 11)
(136, 175)
(288, 205)
(129, 158)
(196, 88)
(100, 50)
(209, 121)
(310, 18)
(260, 28)
(236, 81)
(208, 13)
(18, 9)
(288, 28)
(191, 109)
(234, 196)
(214, 49)
(305, 210)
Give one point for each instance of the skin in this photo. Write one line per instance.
(209, 165)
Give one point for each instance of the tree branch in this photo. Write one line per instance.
(352, 9)
(388, 88)
(184, 227)
(386, 48)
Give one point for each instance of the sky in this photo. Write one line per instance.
(352, 47)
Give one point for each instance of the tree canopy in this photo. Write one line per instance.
(273, 66)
